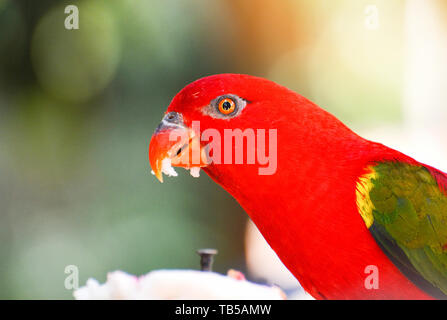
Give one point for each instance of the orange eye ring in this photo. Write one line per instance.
(226, 106)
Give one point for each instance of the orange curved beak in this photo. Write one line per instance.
(175, 145)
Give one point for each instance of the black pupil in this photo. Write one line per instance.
(226, 105)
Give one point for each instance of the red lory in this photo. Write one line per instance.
(350, 218)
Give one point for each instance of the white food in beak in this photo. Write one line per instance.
(167, 169)
(195, 172)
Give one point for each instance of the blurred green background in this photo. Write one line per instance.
(78, 107)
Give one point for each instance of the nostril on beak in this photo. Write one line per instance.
(174, 117)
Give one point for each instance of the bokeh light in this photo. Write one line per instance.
(74, 66)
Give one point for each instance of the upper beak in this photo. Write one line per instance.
(174, 144)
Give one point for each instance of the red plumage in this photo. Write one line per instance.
(307, 210)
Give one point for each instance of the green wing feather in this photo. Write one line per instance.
(406, 211)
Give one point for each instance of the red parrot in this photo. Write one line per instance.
(335, 207)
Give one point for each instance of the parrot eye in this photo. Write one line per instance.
(225, 107)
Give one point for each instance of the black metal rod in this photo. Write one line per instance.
(206, 258)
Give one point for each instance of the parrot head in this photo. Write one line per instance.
(216, 109)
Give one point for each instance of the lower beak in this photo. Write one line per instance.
(175, 145)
